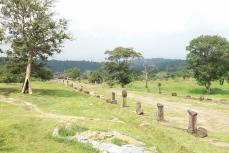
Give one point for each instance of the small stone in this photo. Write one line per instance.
(202, 132)
(87, 92)
(139, 109)
(201, 98)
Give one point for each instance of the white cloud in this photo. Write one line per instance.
(125, 21)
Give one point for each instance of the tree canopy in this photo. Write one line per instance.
(208, 58)
(118, 64)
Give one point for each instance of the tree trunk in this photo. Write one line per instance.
(27, 83)
(221, 82)
(208, 86)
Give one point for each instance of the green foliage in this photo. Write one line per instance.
(119, 142)
(12, 71)
(118, 64)
(208, 58)
(61, 66)
(32, 27)
(96, 77)
(73, 73)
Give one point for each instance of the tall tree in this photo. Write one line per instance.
(118, 64)
(208, 58)
(32, 31)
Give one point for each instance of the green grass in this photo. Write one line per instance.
(183, 88)
(28, 132)
(65, 131)
(119, 142)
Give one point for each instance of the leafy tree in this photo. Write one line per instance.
(118, 64)
(73, 73)
(208, 59)
(95, 77)
(32, 31)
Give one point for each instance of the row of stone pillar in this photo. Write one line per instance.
(192, 126)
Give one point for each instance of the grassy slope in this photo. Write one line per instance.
(183, 88)
(28, 133)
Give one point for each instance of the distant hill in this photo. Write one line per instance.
(159, 64)
(60, 66)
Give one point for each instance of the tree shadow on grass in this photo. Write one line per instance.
(55, 93)
(203, 91)
(7, 91)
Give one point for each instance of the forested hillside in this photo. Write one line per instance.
(159, 64)
(60, 66)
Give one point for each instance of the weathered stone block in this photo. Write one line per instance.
(202, 132)
(139, 109)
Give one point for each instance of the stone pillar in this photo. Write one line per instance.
(124, 96)
(71, 85)
(192, 127)
(139, 109)
(159, 87)
(113, 100)
(160, 112)
(113, 96)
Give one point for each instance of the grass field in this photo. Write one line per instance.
(183, 88)
(25, 130)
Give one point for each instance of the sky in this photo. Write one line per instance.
(156, 28)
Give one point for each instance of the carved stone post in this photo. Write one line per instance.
(113, 100)
(124, 96)
(113, 96)
(192, 127)
(160, 112)
(159, 87)
(139, 109)
(71, 85)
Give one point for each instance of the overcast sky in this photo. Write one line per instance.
(156, 28)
